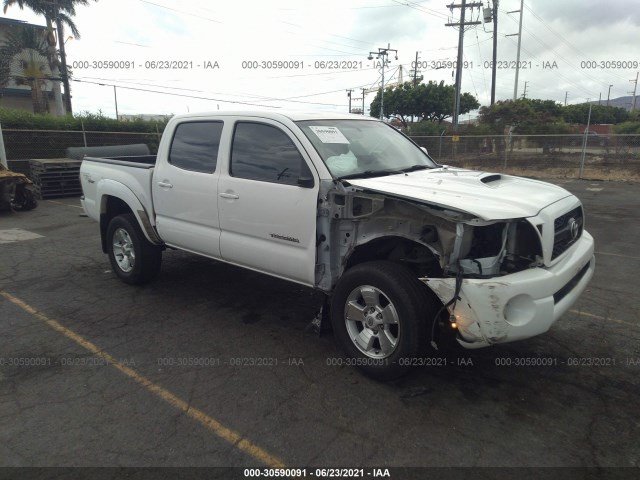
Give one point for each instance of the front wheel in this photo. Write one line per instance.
(380, 315)
(133, 258)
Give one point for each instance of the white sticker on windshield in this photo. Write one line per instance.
(329, 134)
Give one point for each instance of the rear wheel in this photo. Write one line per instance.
(380, 315)
(133, 258)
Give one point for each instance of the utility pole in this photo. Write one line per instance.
(609, 94)
(524, 94)
(635, 87)
(515, 86)
(363, 92)
(584, 140)
(3, 154)
(349, 95)
(382, 53)
(115, 97)
(461, 25)
(565, 98)
(415, 71)
(495, 51)
(600, 98)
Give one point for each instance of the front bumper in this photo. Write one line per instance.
(520, 305)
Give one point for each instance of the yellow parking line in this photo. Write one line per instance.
(65, 204)
(212, 424)
(608, 319)
(617, 255)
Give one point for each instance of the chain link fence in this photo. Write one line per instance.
(588, 156)
(32, 144)
(606, 157)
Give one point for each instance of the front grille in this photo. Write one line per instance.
(567, 230)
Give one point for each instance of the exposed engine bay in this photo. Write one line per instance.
(433, 241)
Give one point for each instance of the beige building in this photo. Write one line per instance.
(13, 95)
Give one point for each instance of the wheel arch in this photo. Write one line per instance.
(421, 258)
(117, 199)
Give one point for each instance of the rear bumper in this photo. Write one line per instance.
(521, 305)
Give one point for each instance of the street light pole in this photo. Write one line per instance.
(382, 53)
(609, 94)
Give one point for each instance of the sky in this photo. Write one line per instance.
(225, 55)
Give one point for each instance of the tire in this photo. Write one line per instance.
(381, 316)
(133, 258)
(24, 199)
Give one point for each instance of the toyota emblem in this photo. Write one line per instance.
(574, 228)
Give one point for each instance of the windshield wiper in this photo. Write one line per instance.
(413, 168)
(388, 171)
(371, 173)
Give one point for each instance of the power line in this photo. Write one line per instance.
(182, 11)
(205, 98)
(578, 86)
(420, 8)
(169, 93)
(258, 97)
(569, 62)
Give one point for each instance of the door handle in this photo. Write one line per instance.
(232, 196)
(165, 184)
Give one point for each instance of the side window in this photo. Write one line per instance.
(195, 146)
(265, 153)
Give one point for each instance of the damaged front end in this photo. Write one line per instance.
(496, 278)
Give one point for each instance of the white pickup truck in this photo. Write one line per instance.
(404, 249)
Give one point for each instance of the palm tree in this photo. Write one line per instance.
(61, 13)
(24, 60)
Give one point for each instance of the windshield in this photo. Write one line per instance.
(361, 148)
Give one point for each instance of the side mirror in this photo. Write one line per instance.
(424, 150)
(305, 182)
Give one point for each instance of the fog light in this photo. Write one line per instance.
(520, 310)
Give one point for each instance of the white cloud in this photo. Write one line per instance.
(308, 32)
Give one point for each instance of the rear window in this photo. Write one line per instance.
(195, 146)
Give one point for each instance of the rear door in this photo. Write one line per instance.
(267, 202)
(185, 194)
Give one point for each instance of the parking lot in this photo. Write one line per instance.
(212, 365)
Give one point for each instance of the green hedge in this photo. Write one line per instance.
(23, 140)
(21, 120)
(627, 127)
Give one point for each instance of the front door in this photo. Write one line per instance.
(268, 201)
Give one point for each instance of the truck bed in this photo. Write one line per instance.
(129, 177)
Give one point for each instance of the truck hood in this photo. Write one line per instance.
(488, 196)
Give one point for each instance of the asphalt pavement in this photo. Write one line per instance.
(212, 365)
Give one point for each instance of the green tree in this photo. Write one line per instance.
(24, 60)
(432, 101)
(60, 13)
(599, 114)
(526, 115)
(627, 128)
